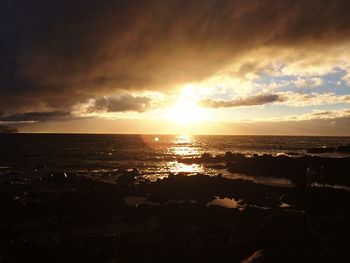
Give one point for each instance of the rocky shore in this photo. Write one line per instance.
(335, 170)
(339, 149)
(64, 217)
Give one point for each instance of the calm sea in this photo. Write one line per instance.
(154, 155)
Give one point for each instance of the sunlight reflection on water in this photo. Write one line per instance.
(184, 145)
(181, 146)
(175, 167)
(184, 139)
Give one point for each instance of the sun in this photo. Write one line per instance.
(186, 110)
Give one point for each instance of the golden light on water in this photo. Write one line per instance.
(184, 146)
(176, 167)
(184, 139)
(184, 151)
(181, 146)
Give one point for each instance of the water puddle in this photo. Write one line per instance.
(266, 180)
(257, 256)
(261, 207)
(283, 182)
(284, 205)
(334, 186)
(227, 203)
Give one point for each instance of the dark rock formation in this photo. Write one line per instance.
(88, 220)
(339, 149)
(335, 170)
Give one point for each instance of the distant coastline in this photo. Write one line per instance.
(8, 129)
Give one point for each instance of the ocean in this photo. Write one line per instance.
(154, 155)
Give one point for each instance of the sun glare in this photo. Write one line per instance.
(186, 110)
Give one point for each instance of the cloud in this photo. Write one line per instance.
(288, 98)
(312, 99)
(320, 115)
(36, 116)
(346, 77)
(241, 102)
(121, 104)
(329, 127)
(323, 115)
(308, 82)
(73, 51)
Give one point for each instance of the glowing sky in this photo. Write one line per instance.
(205, 67)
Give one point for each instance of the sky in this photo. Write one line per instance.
(271, 67)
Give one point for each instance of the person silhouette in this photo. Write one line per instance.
(310, 177)
(322, 177)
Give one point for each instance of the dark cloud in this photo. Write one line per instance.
(55, 54)
(121, 103)
(249, 101)
(36, 116)
(330, 127)
(322, 113)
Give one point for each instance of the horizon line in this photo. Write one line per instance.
(168, 134)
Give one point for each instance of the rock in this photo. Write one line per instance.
(135, 172)
(344, 149)
(206, 157)
(322, 150)
(228, 155)
(339, 149)
(58, 177)
(125, 176)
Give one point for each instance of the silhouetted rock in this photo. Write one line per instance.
(228, 155)
(40, 167)
(335, 170)
(344, 149)
(339, 149)
(322, 150)
(206, 157)
(58, 177)
(135, 172)
(88, 220)
(127, 176)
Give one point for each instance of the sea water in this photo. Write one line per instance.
(156, 156)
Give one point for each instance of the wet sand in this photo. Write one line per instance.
(65, 217)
